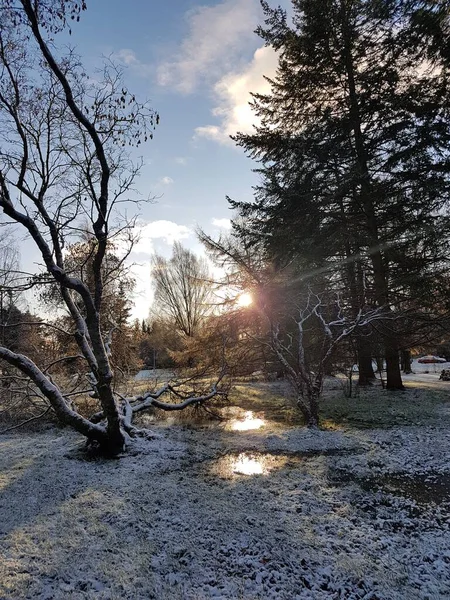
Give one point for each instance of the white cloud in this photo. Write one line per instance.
(143, 292)
(139, 259)
(222, 223)
(166, 180)
(181, 160)
(212, 132)
(217, 36)
(128, 57)
(232, 92)
(168, 231)
(142, 234)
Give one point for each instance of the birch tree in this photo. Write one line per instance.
(306, 337)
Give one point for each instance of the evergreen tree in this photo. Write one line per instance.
(353, 144)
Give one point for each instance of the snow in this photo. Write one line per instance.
(157, 374)
(417, 367)
(433, 368)
(204, 512)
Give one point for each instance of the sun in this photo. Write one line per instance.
(244, 299)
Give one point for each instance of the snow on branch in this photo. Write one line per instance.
(322, 326)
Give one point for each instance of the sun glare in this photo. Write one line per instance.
(249, 422)
(246, 465)
(244, 299)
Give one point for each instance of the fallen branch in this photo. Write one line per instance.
(132, 406)
(151, 401)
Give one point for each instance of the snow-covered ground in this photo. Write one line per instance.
(428, 374)
(417, 367)
(155, 374)
(433, 368)
(246, 509)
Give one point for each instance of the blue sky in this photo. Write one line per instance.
(197, 63)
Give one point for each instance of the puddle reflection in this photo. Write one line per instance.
(250, 421)
(244, 463)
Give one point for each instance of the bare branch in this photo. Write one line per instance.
(30, 420)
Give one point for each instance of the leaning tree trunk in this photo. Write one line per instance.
(115, 440)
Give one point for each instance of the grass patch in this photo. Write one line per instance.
(271, 398)
(371, 408)
(375, 407)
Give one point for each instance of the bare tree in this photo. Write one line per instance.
(183, 289)
(304, 328)
(118, 285)
(9, 294)
(305, 350)
(63, 161)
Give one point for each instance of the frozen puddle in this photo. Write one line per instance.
(247, 463)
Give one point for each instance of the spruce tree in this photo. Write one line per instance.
(353, 149)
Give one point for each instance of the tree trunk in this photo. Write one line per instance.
(405, 357)
(312, 421)
(309, 408)
(115, 442)
(312, 418)
(379, 264)
(393, 374)
(365, 366)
